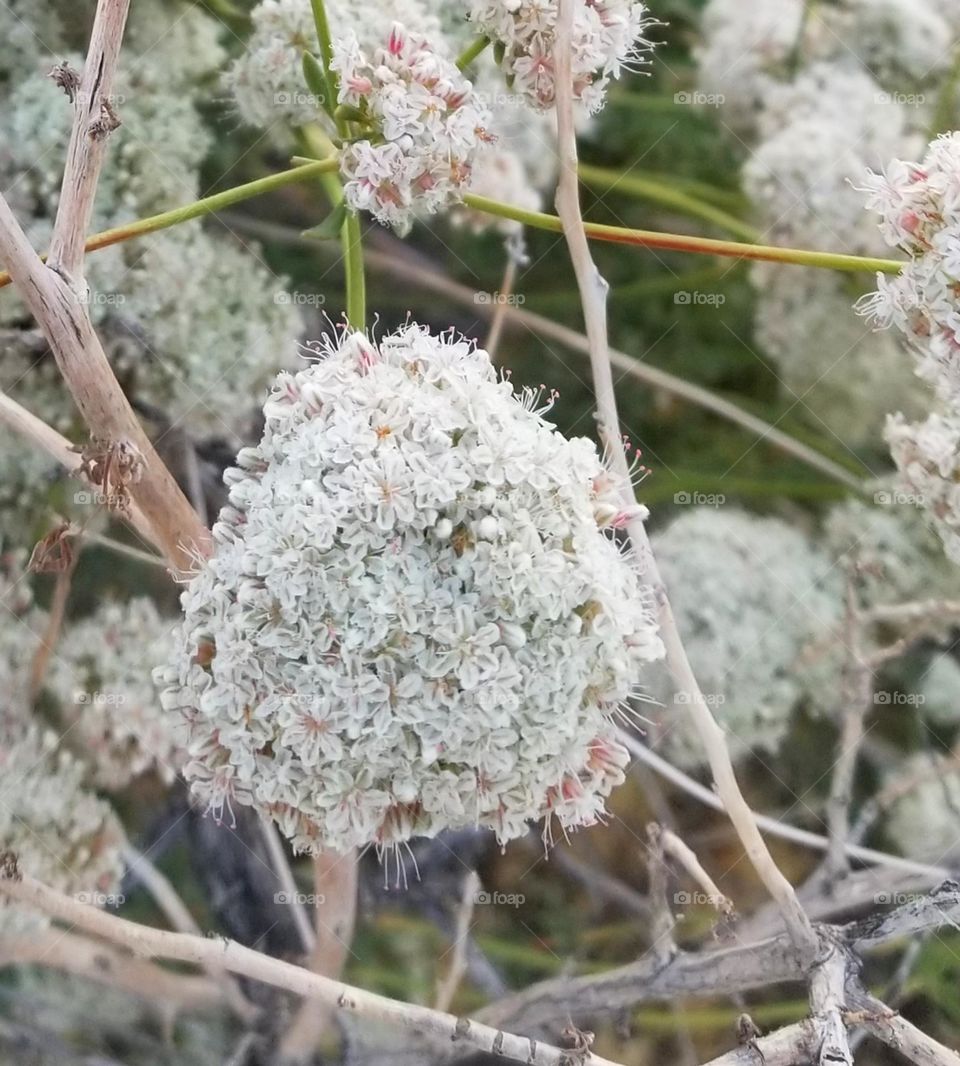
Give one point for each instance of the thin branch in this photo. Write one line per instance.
(772, 826)
(57, 949)
(786, 1047)
(111, 420)
(856, 692)
(93, 120)
(281, 867)
(676, 849)
(335, 903)
(27, 425)
(896, 1032)
(827, 1002)
(51, 633)
(593, 292)
(461, 940)
(206, 951)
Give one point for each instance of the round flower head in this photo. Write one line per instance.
(416, 616)
(427, 125)
(607, 37)
(107, 697)
(748, 593)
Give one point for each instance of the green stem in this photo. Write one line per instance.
(468, 55)
(646, 188)
(678, 242)
(207, 206)
(351, 240)
(323, 33)
(351, 243)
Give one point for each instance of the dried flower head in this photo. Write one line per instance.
(417, 616)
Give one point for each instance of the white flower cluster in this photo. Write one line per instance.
(608, 37)
(426, 122)
(21, 621)
(744, 51)
(749, 593)
(919, 209)
(894, 558)
(924, 824)
(816, 119)
(61, 834)
(266, 81)
(106, 696)
(416, 616)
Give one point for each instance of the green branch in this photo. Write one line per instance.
(646, 188)
(468, 55)
(207, 206)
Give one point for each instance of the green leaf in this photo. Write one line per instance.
(329, 228)
(316, 79)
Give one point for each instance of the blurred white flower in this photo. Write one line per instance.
(412, 619)
(101, 679)
(608, 38)
(748, 594)
(923, 823)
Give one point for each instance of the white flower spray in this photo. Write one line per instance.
(417, 615)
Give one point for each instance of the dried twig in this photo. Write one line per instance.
(56, 299)
(94, 117)
(206, 951)
(458, 952)
(593, 292)
(675, 848)
(335, 902)
(827, 1001)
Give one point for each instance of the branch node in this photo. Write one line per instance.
(67, 78)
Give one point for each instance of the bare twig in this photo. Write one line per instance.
(593, 292)
(458, 952)
(495, 331)
(280, 866)
(168, 900)
(93, 119)
(21, 421)
(56, 300)
(57, 949)
(677, 850)
(51, 633)
(898, 1033)
(786, 1047)
(206, 951)
(772, 826)
(827, 1002)
(856, 693)
(335, 902)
